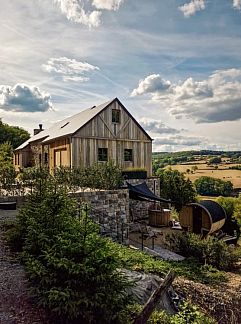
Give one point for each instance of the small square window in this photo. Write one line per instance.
(128, 155)
(102, 154)
(115, 116)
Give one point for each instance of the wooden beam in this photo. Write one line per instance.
(106, 125)
(150, 305)
(124, 126)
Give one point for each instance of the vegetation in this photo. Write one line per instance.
(163, 159)
(232, 206)
(72, 268)
(215, 160)
(175, 187)
(208, 186)
(12, 134)
(187, 314)
(208, 251)
(7, 172)
(235, 167)
(106, 176)
(190, 268)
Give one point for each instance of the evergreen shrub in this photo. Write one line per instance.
(73, 270)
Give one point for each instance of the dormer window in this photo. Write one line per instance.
(115, 116)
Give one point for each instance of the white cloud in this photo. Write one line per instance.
(150, 84)
(107, 4)
(69, 69)
(237, 4)
(216, 99)
(189, 9)
(24, 98)
(75, 10)
(157, 127)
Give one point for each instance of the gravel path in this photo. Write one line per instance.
(16, 306)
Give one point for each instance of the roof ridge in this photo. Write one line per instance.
(64, 127)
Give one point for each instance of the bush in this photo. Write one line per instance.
(72, 269)
(208, 186)
(175, 187)
(209, 250)
(215, 160)
(107, 176)
(187, 314)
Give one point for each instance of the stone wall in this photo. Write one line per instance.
(108, 208)
(112, 209)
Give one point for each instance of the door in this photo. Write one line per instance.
(57, 159)
(197, 219)
(60, 158)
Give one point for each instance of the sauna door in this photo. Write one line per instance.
(197, 219)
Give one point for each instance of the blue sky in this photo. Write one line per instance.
(175, 65)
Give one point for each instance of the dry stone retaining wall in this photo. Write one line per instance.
(110, 208)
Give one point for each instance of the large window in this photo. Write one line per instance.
(102, 154)
(128, 155)
(115, 116)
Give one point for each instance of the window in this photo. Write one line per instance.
(102, 154)
(128, 155)
(40, 158)
(64, 125)
(115, 116)
(45, 158)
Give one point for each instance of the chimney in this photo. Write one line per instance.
(38, 130)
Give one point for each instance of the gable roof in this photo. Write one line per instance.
(71, 125)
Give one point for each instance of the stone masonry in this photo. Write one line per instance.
(111, 209)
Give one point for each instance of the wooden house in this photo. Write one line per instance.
(97, 134)
(204, 217)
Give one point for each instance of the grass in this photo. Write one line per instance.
(223, 172)
(189, 268)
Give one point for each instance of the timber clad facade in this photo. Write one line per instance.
(98, 134)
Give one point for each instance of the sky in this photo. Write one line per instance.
(174, 64)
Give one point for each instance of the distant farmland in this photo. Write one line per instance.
(223, 172)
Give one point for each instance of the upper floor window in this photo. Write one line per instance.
(102, 154)
(115, 116)
(128, 155)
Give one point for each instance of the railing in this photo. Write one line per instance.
(119, 234)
